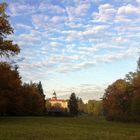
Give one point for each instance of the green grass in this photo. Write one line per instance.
(78, 128)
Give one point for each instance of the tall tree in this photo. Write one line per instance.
(138, 64)
(40, 88)
(15, 98)
(135, 105)
(41, 93)
(73, 104)
(7, 47)
(10, 81)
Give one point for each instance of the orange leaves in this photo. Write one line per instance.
(7, 47)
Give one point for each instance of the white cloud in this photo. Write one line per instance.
(23, 26)
(106, 13)
(99, 46)
(47, 22)
(96, 30)
(77, 11)
(122, 19)
(129, 9)
(21, 9)
(119, 55)
(54, 44)
(84, 65)
(74, 25)
(40, 20)
(84, 91)
(45, 6)
(58, 19)
(33, 37)
(120, 39)
(138, 1)
(88, 48)
(29, 38)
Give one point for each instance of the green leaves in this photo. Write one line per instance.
(73, 104)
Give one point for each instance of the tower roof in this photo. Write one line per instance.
(54, 94)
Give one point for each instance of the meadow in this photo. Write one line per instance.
(61, 128)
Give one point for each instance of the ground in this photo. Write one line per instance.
(77, 128)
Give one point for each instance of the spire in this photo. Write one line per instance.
(54, 95)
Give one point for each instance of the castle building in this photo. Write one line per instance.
(57, 105)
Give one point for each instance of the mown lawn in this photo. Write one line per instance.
(78, 128)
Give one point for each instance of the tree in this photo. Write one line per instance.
(81, 105)
(33, 101)
(130, 76)
(122, 98)
(73, 104)
(116, 100)
(138, 64)
(7, 47)
(16, 98)
(135, 104)
(10, 85)
(9, 77)
(40, 89)
(90, 107)
(94, 107)
(41, 93)
(135, 91)
(10, 81)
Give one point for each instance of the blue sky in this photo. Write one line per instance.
(78, 46)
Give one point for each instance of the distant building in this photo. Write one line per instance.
(55, 105)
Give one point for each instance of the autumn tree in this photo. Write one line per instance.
(10, 81)
(73, 104)
(90, 107)
(122, 98)
(81, 106)
(94, 108)
(41, 93)
(10, 85)
(116, 100)
(33, 101)
(7, 47)
(138, 65)
(40, 90)
(135, 105)
(16, 98)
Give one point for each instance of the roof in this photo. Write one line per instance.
(54, 99)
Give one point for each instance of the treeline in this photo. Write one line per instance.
(78, 107)
(16, 98)
(92, 107)
(121, 100)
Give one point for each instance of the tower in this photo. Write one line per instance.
(54, 96)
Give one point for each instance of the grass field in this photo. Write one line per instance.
(52, 128)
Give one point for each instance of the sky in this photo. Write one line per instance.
(78, 46)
